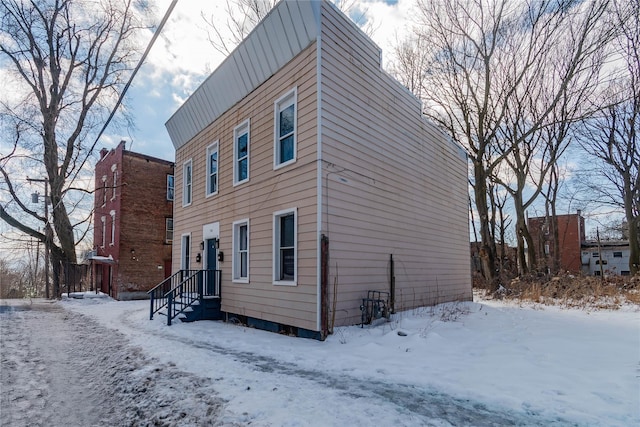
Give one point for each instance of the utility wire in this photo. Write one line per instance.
(155, 36)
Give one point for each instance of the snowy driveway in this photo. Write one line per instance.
(111, 366)
(60, 368)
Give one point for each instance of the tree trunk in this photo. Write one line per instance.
(488, 243)
(634, 225)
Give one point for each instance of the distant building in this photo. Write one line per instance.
(133, 220)
(571, 235)
(606, 257)
(577, 255)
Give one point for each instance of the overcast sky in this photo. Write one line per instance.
(183, 57)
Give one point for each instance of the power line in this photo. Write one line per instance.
(155, 36)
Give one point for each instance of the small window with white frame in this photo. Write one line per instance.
(104, 190)
(187, 175)
(212, 169)
(115, 184)
(103, 220)
(285, 113)
(185, 252)
(168, 230)
(113, 228)
(170, 187)
(241, 149)
(240, 258)
(285, 240)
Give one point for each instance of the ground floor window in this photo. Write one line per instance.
(285, 261)
(186, 251)
(240, 259)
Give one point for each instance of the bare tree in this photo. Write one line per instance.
(243, 15)
(67, 62)
(611, 138)
(493, 78)
(562, 58)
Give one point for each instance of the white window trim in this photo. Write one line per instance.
(113, 227)
(276, 247)
(210, 149)
(166, 229)
(173, 188)
(103, 219)
(182, 251)
(104, 190)
(184, 183)
(238, 131)
(277, 107)
(235, 260)
(115, 180)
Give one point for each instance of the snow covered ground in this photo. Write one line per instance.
(475, 364)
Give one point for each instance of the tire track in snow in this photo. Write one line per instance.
(61, 368)
(430, 405)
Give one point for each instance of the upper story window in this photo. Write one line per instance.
(168, 230)
(285, 129)
(187, 172)
(113, 228)
(285, 239)
(104, 190)
(617, 254)
(241, 251)
(212, 169)
(170, 187)
(241, 142)
(103, 220)
(115, 184)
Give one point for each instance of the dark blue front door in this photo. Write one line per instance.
(209, 283)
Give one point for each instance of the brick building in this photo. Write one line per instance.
(133, 222)
(571, 235)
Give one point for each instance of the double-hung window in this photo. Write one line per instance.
(285, 262)
(103, 220)
(185, 250)
(241, 251)
(285, 129)
(170, 187)
(104, 190)
(187, 171)
(212, 169)
(168, 227)
(115, 184)
(241, 143)
(113, 228)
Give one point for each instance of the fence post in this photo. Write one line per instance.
(151, 307)
(169, 308)
(200, 283)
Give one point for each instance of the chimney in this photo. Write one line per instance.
(103, 153)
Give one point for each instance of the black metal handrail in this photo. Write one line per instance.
(182, 289)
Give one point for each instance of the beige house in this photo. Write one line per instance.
(309, 177)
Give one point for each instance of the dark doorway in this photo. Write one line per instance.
(210, 279)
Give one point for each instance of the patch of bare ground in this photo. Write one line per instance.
(568, 290)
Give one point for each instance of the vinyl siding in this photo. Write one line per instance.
(392, 183)
(266, 192)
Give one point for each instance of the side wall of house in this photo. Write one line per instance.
(267, 191)
(392, 184)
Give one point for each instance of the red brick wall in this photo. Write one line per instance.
(143, 250)
(570, 235)
(139, 251)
